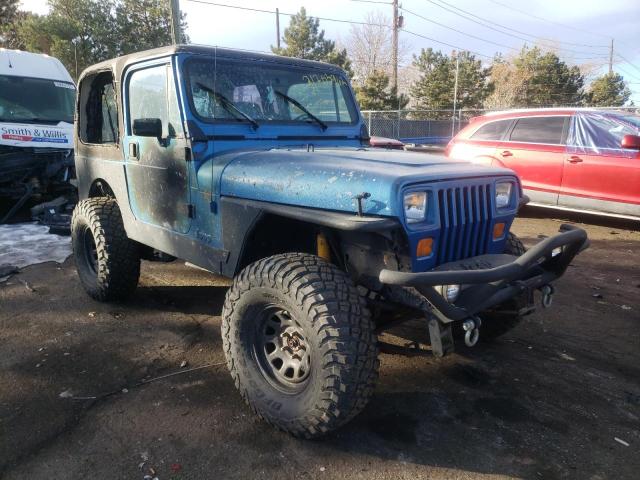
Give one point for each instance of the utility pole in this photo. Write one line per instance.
(611, 58)
(175, 21)
(278, 28)
(455, 95)
(394, 47)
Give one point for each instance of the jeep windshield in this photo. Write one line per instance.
(35, 100)
(268, 93)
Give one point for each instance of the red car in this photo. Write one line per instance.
(575, 159)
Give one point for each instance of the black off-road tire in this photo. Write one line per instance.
(108, 262)
(514, 245)
(338, 335)
(496, 324)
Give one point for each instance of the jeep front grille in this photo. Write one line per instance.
(465, 220)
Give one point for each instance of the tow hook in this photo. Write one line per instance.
(471, 327)
(547, 295)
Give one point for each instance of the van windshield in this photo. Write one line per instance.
(268, 93)
(35, 100)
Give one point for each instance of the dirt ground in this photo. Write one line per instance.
(559, 397)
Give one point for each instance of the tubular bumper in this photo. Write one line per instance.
(487, 287)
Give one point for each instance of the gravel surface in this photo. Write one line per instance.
(559, 397)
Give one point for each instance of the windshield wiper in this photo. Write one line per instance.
(293, 101)
(229, 106)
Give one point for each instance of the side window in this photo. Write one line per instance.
(538, 130)
(99, 119)
(148, 96)
(492, 130)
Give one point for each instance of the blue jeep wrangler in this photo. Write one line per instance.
(258, 168)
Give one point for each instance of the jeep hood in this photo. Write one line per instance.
(331, 178)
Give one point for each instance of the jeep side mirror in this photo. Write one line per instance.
(632, 142)
(147, 127)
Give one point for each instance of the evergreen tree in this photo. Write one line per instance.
(609, 90)
(550, 81)
(304, 39)
(375, 93)
(10, 17)
(435, 87)
(89, 31)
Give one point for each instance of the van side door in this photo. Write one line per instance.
(156, 149)
(535, 149)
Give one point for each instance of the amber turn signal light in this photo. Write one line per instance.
(498, 231)
(425, 247)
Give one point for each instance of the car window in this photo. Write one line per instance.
(609, 130)
(538, 130)
(98, 102)
(268, 92)
(492, 130)
(148, 95)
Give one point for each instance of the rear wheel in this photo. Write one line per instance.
(108, 263)
(299, 343)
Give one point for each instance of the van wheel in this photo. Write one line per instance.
(108, 263)
(299, 343)
(496, 324)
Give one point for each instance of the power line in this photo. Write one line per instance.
(373, 1)
(497, 27)
(469, 34)
(627, 61)
(445, 43)
(456, 30)
(627, 74)
(555, 23)
(237, 7)
(385, 26)
(206, 2)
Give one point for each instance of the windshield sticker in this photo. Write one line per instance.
(34, 135)
(64, 85)
(323, 78)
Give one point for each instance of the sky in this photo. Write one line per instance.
(582, 28)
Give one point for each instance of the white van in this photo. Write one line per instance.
(37, 98)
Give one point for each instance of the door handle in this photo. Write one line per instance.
(507, 153)
(574, 159)
(133, 151)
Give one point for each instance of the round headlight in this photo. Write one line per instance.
(415, 206)
(450, 292)
(503, 194)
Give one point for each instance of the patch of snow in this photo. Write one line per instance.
(24, 244)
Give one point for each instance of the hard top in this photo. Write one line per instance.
(118, 64)
(34, 65)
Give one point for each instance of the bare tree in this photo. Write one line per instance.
(369, 46)
(509, 84)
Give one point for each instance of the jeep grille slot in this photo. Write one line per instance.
(465, 222)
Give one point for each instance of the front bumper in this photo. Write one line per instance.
(491, 280)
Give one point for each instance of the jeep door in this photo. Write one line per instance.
(599, 174)
(155, 148)
(535, 149)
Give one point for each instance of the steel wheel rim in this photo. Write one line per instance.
(282, 349)
(90, 250)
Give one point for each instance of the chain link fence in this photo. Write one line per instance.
(430, 127)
